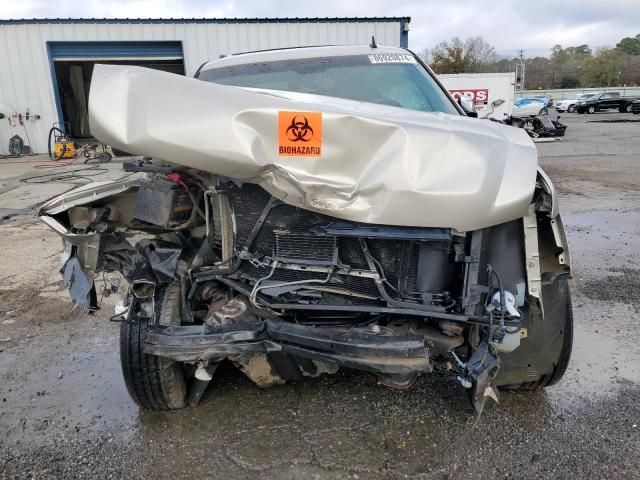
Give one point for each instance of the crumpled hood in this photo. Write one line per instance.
(352, 160)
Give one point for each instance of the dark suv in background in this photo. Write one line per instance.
(605, 101)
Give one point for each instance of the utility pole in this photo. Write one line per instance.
(520, 72)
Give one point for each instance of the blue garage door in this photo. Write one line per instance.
(115, 50)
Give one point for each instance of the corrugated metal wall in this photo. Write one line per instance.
(25, 76)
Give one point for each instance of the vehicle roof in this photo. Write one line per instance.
(301, 52)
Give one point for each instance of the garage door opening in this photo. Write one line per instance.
(72, 65)
(74, 83)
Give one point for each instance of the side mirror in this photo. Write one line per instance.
(497, 102)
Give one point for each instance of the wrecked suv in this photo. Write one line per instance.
(312, 209)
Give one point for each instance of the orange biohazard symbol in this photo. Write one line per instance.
(299, 134)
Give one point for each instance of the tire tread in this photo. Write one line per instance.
(153, 382)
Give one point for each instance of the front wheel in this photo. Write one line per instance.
(591, 109)
(154, 383)
(543, 355)
(628, 108)
(543, 111)
(571, 109)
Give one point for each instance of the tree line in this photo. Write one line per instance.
(570, 67)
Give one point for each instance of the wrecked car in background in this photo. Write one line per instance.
(540, 126)
(316, 209)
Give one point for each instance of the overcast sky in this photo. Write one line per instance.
(508, 25)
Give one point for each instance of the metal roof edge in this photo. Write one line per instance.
(23, 21)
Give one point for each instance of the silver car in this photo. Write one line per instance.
(569, 105)
(313, 209)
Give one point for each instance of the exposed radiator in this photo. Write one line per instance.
(305, 248)
(286, 235)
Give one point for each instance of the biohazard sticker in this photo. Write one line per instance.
(392, 58)
(299, 134)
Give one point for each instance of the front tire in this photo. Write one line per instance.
(543, 111)
(542, 358)
(591, 109)
(154, 383)
(571, 109)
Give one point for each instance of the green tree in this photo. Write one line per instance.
(569, 82)
(569, 67)
(567, 62)
(601, 70)
(579, 51)
(629, 45)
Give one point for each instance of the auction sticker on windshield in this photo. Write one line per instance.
(299, 134)
(392, 58)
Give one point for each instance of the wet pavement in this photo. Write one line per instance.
(65, 413)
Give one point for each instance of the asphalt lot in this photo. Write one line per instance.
(65, 413)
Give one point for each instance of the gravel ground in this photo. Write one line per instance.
(65, 413)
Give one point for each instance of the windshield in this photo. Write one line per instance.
(397, 80)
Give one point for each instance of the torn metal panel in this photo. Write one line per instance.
(86, 194)
(560, 237)
(532, 253)
(373, 163)
(548, 187)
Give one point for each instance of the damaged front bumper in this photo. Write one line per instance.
(287, 351)
(396, 355)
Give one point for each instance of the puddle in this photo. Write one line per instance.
(602, 240)
(605, 354)
(606, 294)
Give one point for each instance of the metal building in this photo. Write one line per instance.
(46, 64)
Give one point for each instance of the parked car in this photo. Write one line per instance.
(296, 222)
(605, 101)
(569, 104)
(528, 107)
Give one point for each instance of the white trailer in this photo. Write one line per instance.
(483, 88)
